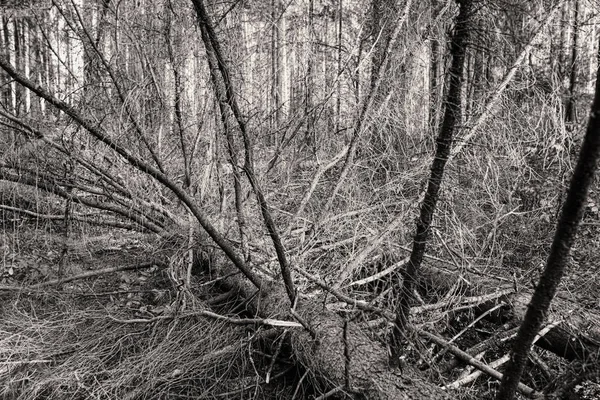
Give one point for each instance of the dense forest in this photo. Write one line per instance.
(292, 199)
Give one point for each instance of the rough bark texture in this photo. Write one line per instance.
(452, 118)
(368, 373)
(564, 237)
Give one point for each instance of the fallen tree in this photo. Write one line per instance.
(576, 338)
(338, 351)
(341, 353)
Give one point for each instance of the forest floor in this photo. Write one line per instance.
(80, 339)
(133, 334)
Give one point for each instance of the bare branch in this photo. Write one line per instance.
(98, 132)
(88, 274)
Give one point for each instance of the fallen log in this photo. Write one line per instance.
(576, 338)
(84, 275)
(340, 353)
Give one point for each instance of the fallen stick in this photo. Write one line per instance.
(472, 377)
(83, 275)
(210, 314)
(524, 389)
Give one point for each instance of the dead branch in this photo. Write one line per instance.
(367, 105)
(84, 275)
(373, 244)
(526, 390)
(209, 314)
(99, 133)
(495, 97)
(313, 185)
(496, 363)
(213, 48)
(87, 218)
(50, 187)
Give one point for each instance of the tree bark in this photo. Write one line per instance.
(452, 118)
(341, 355)
(434, 78)
(309, 90)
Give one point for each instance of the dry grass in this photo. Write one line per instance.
(58, 347)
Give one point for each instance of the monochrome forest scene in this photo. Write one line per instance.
(299, 199)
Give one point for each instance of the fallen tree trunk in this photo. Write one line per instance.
(339, 353)
(576, 338)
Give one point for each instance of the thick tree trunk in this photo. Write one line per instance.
(340, 354)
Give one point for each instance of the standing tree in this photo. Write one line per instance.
(452, 118)
(276, 70)
(570, 111)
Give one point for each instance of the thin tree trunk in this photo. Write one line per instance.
(309, 93)
(232, 150)
(434, 85)
(452, 117)
(570, 113)
(338, 100)
(276, 64)
(383, 13)
(566, 229)
(26, 62)
(213, 49)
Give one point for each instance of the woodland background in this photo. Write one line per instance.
(132, 185)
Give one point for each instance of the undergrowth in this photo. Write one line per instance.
(66, 347)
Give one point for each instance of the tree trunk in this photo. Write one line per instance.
(570, 113)
(452, 117)
(309, 90)
(383, 15)
(434, 84)
(339, 353)
(338, 99)
(276, 91)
